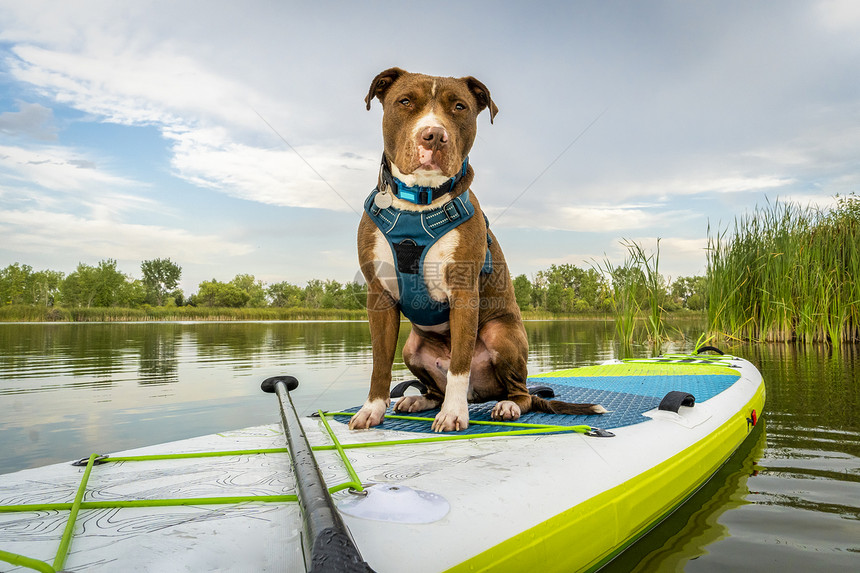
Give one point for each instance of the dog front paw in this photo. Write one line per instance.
(506, 410)
(371, 414)
(451, 419)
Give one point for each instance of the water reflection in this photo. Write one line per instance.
(818, 387)
(685, 534)
(809, 484)
(790, 500)
(793, 501)
(81, 383)
(151, 353)
(157, 358)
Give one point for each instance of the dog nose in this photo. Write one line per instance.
(434, 137)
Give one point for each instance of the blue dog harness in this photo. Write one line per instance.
(410, 235)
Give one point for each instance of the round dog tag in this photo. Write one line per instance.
(383, 200)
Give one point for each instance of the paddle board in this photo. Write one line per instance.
(559, 493)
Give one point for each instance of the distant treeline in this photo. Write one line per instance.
(26, 294)
(568, 289)
(103, 286)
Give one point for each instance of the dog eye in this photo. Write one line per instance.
(459, 107)
(405, 102)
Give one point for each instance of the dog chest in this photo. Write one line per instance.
(438, 256)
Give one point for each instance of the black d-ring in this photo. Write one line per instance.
(397, 391)
(710, 349)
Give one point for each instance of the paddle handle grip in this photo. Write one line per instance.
(290, 382)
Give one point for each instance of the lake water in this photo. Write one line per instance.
(789, 500)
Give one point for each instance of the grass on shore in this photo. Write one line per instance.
(23, 313)
(20, 313)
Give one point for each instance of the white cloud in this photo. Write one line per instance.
(685, 184)
(281, 177)
(31, 120)
(585, 218)
(839, 15)
(611, 218)
(160, 86)
(57, 168)
(632, 204)
(678, 256)
(37, 231)
(209, 120)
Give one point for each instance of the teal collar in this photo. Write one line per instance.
(417, 194)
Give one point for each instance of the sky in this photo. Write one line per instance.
(233, 137)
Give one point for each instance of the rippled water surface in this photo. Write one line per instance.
(789, 500)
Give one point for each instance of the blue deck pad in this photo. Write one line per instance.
(702, 386)
(625, 398)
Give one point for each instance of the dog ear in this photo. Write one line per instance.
(381, 83)
(482, 94)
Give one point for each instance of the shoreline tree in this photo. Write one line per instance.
(160, 277)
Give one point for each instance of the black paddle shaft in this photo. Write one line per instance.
(326, 538)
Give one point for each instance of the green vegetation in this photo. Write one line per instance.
(607, 289)
(624, 296)
(26, 313)
(655, 287)
(160, 277)
(102, 293)
(637, 284)
(788, 274)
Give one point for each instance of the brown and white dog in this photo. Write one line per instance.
(479, 353)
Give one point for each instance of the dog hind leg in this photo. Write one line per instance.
(507, 347)
(423, 361)
(505, 341)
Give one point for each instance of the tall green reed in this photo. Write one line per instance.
(655, 288)
(787, 273)
(636, 281)
(623, 296)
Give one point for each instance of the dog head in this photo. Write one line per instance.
(429, 123)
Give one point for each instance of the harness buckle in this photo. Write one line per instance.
(450, 210)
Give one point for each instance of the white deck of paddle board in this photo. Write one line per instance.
(496, 487)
